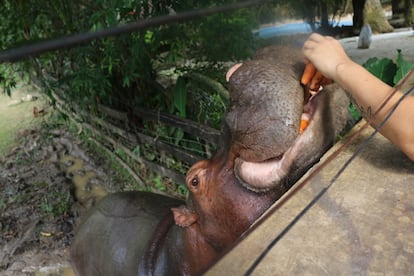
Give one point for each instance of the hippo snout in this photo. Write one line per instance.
(265, 97)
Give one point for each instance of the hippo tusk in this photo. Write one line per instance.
(266, 175)
(261, 176)
(232, 70)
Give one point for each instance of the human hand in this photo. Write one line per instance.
(326, 53)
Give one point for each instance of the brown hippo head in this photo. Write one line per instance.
(262, 153)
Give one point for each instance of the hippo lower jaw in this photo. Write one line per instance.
(265, 175)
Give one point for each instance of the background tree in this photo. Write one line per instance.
(364, 12)
(123, 71)
(402, 12)
(374, 15)
(358, 18)
(141, 76)
(317, 12)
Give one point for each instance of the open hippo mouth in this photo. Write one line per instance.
(264, 121)
(266, 174)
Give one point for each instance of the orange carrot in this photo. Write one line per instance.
(308, 73)
(316, 81)
(304, 122)
(319, 80)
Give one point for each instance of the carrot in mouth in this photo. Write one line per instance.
(304, 122)
(312, 79)
(308, 73)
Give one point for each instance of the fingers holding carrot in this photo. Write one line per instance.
(319, 80)
(308, 73)
(312, 79)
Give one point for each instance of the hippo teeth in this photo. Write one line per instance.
(306, 117)
(265, 175)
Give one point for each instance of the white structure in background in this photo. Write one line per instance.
(365, 37)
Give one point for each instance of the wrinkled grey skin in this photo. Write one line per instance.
(112, 238)
(264, 117)
(261, 157)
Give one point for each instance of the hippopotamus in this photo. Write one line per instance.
(261, 155)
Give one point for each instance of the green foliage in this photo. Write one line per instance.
(217, 39)
(387, 70)
(56, 202)
(179, 101)
(354, 112)
(384, 69)
(312, 10)
(123, 72)
(7, 79)
(158, 183)
(3, 204)
(403, 67)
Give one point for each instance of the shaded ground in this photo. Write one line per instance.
(37, 217)
(46, 182)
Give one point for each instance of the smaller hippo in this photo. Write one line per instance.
(109, 241)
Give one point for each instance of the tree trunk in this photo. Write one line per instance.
(408, 15)
(401, 13)
(324, 16)
(374, 16)
(358, 18)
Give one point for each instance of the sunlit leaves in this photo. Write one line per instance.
(387, 70)
(403, 67)
(383, 69)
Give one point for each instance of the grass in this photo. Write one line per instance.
(16, 118)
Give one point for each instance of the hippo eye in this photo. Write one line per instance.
(194, 182)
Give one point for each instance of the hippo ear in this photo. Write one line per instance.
(183, 216)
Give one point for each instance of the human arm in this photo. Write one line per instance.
(368, 92)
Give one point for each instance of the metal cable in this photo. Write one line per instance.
(16, 54)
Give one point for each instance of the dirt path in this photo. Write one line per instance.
(47, 181)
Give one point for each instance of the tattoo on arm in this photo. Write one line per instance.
(367, 114)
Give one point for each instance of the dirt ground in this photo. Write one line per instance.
(47, 181)
(50, 178)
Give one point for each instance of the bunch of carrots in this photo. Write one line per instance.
(312, 80)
